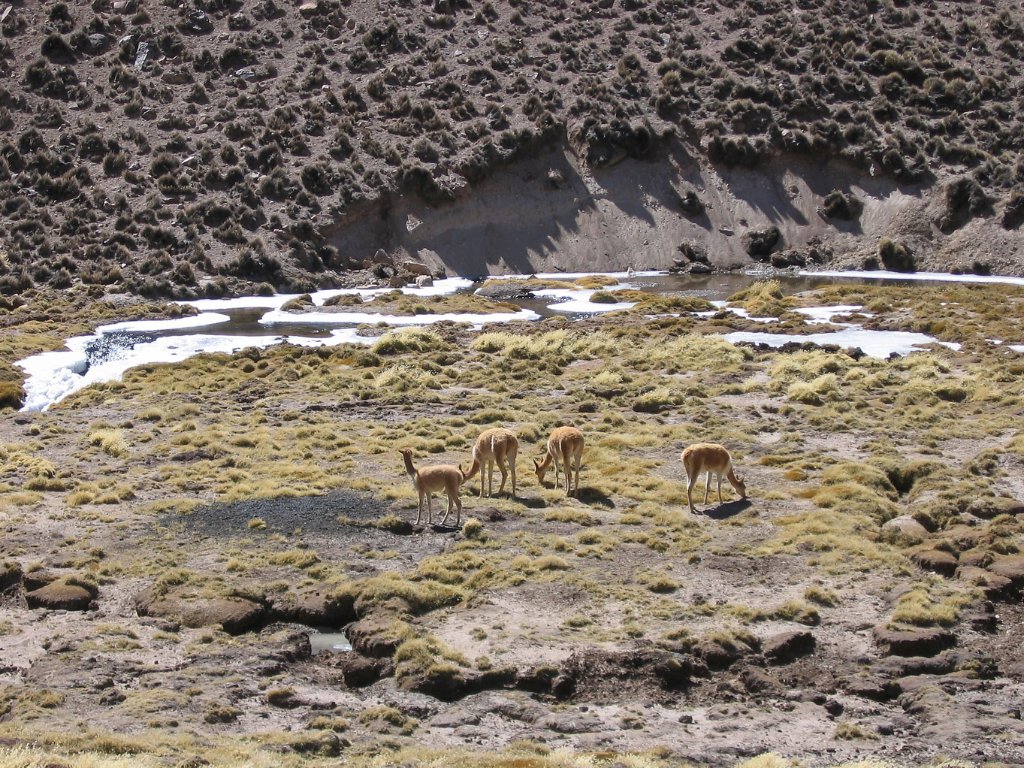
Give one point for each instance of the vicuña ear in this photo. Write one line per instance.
(536, 464)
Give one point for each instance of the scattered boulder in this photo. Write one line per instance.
(913, 642)
(1010, 567)
(787, 646)
(359, 671)
(758, 681)
(316, 609)
(935, 560)
(376, 636)
(234, 614)
(67, 594)
(694, 252)
(416, 268)
(873, 687)
(993, 585)
(690, 203)
(723, 652)
(988, 508)
(571, 721)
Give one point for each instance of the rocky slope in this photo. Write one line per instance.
(212, 146)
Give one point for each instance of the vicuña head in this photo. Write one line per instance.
(713, 459)
(565, 449)
(435, 479)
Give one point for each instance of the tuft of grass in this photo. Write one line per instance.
(408, 340)
(919, 608)
(111, 441)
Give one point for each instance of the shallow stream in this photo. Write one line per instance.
(229, 325)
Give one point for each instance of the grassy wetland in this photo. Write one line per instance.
(859, 608)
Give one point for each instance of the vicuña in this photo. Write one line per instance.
(434, 479)
(495, 446)
(565, 449)
(713, 459)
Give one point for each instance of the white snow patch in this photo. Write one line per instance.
(878, 344)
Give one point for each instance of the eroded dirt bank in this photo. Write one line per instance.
(551, 213)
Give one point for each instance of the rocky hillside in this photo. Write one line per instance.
(213, 146)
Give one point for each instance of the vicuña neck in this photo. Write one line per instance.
(409, 468)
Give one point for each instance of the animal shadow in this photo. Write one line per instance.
(445, 528)
(593, 497)
(531, 502)
(728, 509)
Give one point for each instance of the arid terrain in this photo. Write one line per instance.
(172, 541)
(217, 146)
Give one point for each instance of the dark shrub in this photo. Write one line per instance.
(841, 205)
(759, 243)
(12, 395)
(895, 256)
(1013, 213)
(964, 199)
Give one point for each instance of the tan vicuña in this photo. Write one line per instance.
(495, 446)
(435, 479)
(713, 459)
(565, 449)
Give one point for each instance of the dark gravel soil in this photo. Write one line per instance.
(311, 514)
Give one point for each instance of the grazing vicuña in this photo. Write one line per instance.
(495, 446)
(565, 448)
(713, 459)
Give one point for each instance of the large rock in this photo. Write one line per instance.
(988, 508)
(913, 642)
(234, 615)
(904, 530)
(62, 595)
(787, 646)
(358, 671)
(316, 609)
(992, 584)
(376, 636)
(1010, 567)
(721, 653)
(936, 560)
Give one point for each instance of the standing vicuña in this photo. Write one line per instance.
(713, 459)
(494, 446)
(565, 448)
(429, 480)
